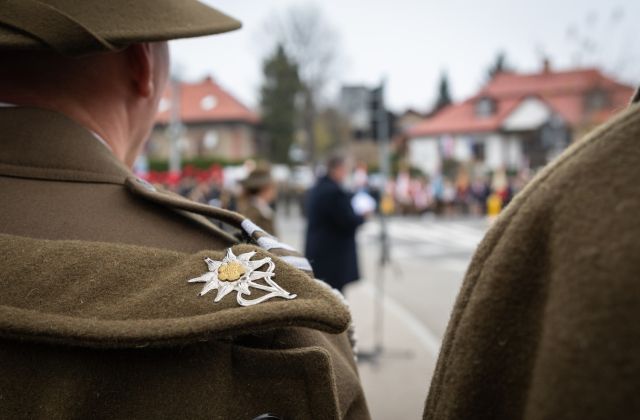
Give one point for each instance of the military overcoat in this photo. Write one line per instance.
(546, 323)
(260, 213)
(98, 319)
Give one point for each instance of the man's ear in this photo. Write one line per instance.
(141, 64)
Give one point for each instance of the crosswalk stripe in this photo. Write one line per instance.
(428, 239)
(442, 233)
(430, 233)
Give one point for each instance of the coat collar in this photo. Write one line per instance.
(41, 144)
(328, 180)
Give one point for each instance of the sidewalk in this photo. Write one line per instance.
(396, 383)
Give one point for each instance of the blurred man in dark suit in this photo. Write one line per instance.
(331, 229)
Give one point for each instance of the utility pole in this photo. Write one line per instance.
(382, 136)
(381, 133)
(175, 128)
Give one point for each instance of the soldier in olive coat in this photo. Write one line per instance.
(546, 323)
(259, 193)
(119, 300)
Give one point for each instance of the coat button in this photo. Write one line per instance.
(267, 416)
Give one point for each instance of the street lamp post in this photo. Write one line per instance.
(175, 128)
(381, 133)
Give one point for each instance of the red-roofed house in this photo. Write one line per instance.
(215, 123)
(517, 120)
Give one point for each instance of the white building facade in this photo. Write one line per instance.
(509, 147)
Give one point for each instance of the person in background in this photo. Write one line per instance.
(463, 192)
(361, 177)
(331, 229)
(403, 191)
(421, 194)
(259, 194)
(480, 192)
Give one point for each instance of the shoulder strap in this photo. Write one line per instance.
(248, 231)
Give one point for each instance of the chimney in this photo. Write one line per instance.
(546, 65)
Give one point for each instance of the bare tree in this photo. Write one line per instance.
(313, 44)
(607, 41)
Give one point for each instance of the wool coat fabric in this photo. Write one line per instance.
(98, 320)
(260, 215)
(546, 323)
(331, 233)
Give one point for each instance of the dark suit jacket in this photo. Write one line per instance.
(331, 243)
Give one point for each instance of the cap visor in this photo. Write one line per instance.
(124, 22)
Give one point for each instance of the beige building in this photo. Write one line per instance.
(213, 123)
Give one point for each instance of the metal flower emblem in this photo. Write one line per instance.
(241, 274)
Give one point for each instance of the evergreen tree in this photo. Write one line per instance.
(499, 65)
(278, 103)
(444, 96)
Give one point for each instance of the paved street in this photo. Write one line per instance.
(429, 258)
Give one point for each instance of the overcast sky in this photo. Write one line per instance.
(411, 42)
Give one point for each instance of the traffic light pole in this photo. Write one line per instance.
(175, 128)
(385, 251)
(382, 128)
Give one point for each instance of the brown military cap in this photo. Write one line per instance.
(79, 27)
(258, 178)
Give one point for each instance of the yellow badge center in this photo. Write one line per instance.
(231, 271)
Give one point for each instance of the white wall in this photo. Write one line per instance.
(531, 114)
(500, 152)
(495, 151)
(424, 154)
(515, 152)
(462, 149)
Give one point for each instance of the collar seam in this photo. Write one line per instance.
(58, 174)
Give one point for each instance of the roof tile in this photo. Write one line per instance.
(563, 91)
(203, 102)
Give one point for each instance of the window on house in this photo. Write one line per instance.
(485, 107)
(208, 102)
(210, 140)
(478, 150)
(596, 100)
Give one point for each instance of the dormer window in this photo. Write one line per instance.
(485, 107)
(208, 103)
(596, 100)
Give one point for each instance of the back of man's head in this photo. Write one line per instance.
(47, 76)
(96, 63)
(114, 94)
(337, 168)
(334, 162)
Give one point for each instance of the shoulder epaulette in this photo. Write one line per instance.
(114, 295)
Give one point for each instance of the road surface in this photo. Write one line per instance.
(428, 260)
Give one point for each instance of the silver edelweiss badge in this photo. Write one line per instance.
(241, 274)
